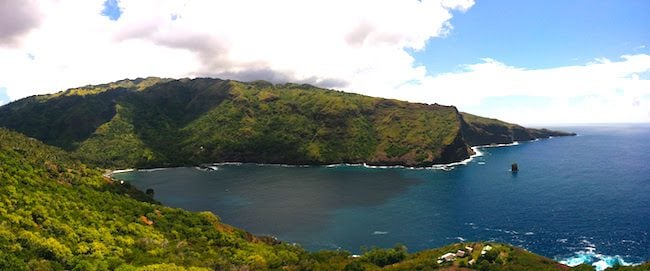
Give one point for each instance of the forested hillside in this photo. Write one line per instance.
(58, 214)
(162, 122)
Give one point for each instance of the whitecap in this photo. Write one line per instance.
(459, 238)
(598, 261)
(600, 265)
(379, 232)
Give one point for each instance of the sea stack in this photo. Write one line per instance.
(514, 167)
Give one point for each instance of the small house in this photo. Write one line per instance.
(486, 249)
(469, 249)
(460, 253)
(448, 257)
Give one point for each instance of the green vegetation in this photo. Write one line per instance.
(156, 122)
(483, 131)
(384, 257)
(59, 214)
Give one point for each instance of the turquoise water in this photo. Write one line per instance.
(575, 199)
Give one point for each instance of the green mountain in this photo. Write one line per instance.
(162, 122)
(59, 214)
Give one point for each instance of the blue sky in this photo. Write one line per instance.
(541, 34)
(112, 10)
(4, 98)
(529, 62)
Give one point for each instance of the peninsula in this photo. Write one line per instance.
(155, 122)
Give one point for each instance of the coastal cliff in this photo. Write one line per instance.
(479, 131)
(156, 122)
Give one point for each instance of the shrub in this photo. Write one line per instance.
(383, 257)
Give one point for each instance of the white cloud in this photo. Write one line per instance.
(358, 46)
(331, 43)
(600, 91)
(17, 18)
(73, 46)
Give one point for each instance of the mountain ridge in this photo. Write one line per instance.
(154, 122)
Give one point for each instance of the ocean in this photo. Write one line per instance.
(582, 199)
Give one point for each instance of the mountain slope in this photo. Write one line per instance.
(484, 131)
(58, 214)
(162, 122)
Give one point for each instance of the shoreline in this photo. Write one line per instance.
(445, 167)
(109, 172)
(595, 259)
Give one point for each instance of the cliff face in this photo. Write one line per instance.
(484, 131)
(456, 151)
(162, 122)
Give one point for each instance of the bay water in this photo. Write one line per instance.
(575, 199)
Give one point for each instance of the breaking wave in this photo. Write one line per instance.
(598, 261)
(589, 256)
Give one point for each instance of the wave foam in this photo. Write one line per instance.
(450, 166)
(207, 168)
(515, 143)
(459, 238)
(598, 261)
(228, 164)
(122, 170)
(153, 169)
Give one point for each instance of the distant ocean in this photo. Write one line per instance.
(575, 199)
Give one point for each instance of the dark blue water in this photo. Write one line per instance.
(577, 199)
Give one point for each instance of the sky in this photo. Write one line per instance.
(528, 62)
